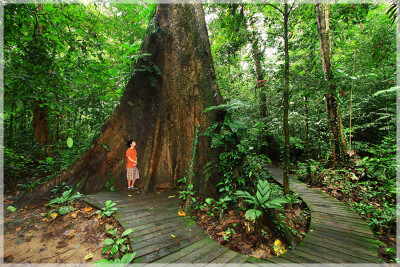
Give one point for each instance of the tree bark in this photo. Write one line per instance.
(286, 167)
(339, 147)
(174, 81)
(40, 116)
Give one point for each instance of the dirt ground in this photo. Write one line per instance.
(77, 237)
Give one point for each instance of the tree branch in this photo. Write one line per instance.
(277, 8)
(291, 7)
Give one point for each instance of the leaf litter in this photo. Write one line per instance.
(31, 237)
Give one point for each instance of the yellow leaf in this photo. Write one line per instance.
(54, 215)
(181, 213)
(172, 235)
(74, 215)
(88, 256)
(18, 229)
(88, 209)
(278, 243)
(45, 219)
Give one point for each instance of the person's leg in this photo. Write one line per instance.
(129, 177)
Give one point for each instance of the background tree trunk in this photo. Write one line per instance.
(40, 116)
(339, 147)
(286, 165)
(174, 81)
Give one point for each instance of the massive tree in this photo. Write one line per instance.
(163, 103)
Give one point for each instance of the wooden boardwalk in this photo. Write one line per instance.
(336, 235)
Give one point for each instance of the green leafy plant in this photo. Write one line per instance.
(28, 187)
(12, 209)
(109, 185)
(265, 198)
(116, 243)
(64, 202)
(108, 210)
(228, 234)
(125, 260)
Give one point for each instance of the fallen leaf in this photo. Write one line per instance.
(181, 213)
(88, 209)
(129, 195)
(68, 233)
(8, 258)
(88, 257)
(74, 215)
(172, 235)
(45, 220)
(171, 196)
(18, 229)
(54, 215)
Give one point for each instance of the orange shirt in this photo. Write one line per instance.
(133, 154)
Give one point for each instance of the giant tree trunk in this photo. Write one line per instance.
(339, 147)
(174, 81)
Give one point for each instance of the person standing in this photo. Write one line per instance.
(132, 173)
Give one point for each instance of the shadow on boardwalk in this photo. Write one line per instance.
(336, 234)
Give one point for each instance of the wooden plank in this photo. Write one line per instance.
(208, 248)
(167, 249)
(145, 215)
(181, 255)
(128, 214)
(224, 257)
(148, 219)
(348, 248)
(340, 227)
(297, 258)
(311, 257)
(239, 259)
(160, 236)
(210, 256)
(153, 224)
(329, 254)
(150, 230)
(347, 233)
(169, 237)
(339, 217)
(155, 233)
(341, 223)
(339, 239)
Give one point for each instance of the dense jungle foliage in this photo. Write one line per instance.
(65, 67)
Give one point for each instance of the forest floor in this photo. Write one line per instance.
(237, 233)
(77, 237)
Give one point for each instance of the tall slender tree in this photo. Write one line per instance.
(286, 167)
(339, 147)
(38, 55)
